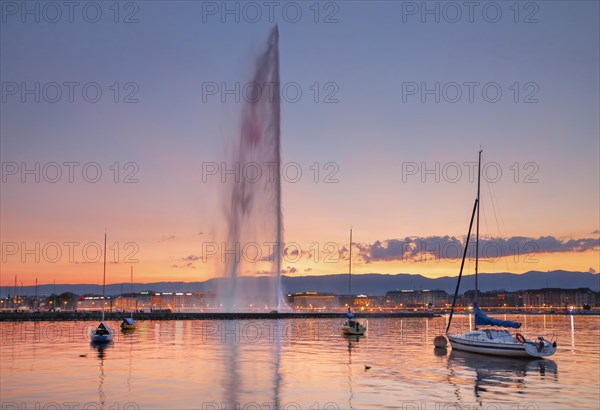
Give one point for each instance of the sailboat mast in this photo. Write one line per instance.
(104, 279)
(477, 231)
(350, 266)
(131, 288)
(462, 265)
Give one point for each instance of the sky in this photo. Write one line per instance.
(111, 118)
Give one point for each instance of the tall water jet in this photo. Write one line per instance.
(253, 200)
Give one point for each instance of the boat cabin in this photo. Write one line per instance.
(101, 329)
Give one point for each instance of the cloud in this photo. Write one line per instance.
(596, 232)
(450, 247)
(165, 238)
(188, 265)
(187, 262)
(190, 258)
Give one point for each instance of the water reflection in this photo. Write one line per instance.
(294, 364)
(352, 344)
(232, 378)
(277, 366)
(572, 334)
(501, 372)
(101, 348)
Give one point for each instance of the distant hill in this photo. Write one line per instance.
(370, 283)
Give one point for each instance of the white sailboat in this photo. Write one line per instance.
(103, 333)
(498, 342)
(352, 326)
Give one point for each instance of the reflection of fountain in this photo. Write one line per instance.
(232, 381)
(253, 204)
(496, 371)
(277, 367)
(237, 355)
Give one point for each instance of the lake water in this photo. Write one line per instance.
(292, 364)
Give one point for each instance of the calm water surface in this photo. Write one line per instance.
(292, 364)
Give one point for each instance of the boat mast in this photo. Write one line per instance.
(350, 267)
(462, 264)
(477, 231)
(104, 279)
(131, 288)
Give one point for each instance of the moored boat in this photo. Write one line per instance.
(492, 341)
(128, 324)
(352, 326)
(103, 333)
(500, 342)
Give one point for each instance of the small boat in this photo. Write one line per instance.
(103, 333)
(352, 326)
(492, 341)
(128, 324)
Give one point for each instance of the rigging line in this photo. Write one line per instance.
(493, 200)
(487, 230)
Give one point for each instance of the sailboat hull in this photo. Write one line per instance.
(101, 339)
(499, 343)
(490, 348)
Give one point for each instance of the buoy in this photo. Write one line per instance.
(440, 341)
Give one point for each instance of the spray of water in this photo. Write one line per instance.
(253, 202)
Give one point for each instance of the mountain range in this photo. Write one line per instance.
(367, 283)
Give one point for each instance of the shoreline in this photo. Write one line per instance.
(89, 316)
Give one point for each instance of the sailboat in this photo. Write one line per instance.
(128, 324)
(498, 342)
(103, 333)
(352, 326)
